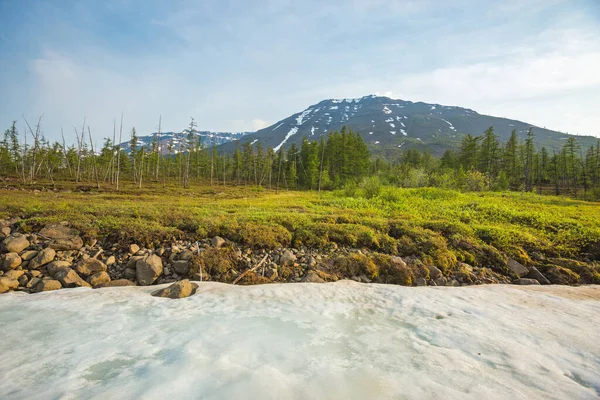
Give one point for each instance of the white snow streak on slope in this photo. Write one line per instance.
(278, 126)
(402, 131)
(312, 131)
(304, 114)
(292, 132)
(386, 110)
(449, 123)
(254, 141)
(301, 341)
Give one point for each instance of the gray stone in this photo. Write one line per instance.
(181, 267)
(534, 273)
(33, 282)
(312, 277)
(130, 273)
(133, 260)
(178, 290)
(69, 278)
(441, 281)
(434, 272)
(28, 255)
(421, 281)
(63, 237)
(66, 243)
(517, 268)
(15, 243)
(5, 231)
(134, 248)
(90, 267)
(148, 270)
(287, 258)
(185, 255)
(525, 281)
(46, 285)
(42, 258)
(57, 265)
(217, 241)
(98, 279)
(117, 283)
(11, 261)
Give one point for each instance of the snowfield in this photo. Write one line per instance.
(341, 340)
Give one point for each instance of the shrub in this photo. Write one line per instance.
(214, 262)
(476, 181)
(372, 187)
(355, 264)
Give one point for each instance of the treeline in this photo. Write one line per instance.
(485, 163)
(331, 162)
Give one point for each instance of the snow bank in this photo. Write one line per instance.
(303, 341)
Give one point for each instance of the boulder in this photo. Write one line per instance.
(57, 265)
(47, 285)
(14, 274)
(312, 277)
(441, 281)
(181, 267)
(8, 284)
(185, 255)
(15, 243)
(525, 281)
(287, 258)
(421, 281)
(63, 237)
(133, 248)
(23, 279)
(178, 290)
(110, 260)
(398, 261)
(99, 278)
(434, 272)
(11, 261)
(148, 270)
(130, 273)
(534, 273)
(69, 278)
(33, 282)
(517, 268)
(133, 260)
(217, 241)
(117, 283)
(28, 254)
(42, 258)
(4, 231)
(90, 267)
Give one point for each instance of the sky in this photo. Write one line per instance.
(237, 65)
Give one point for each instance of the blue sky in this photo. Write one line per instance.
(243, 65)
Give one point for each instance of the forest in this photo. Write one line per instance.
(340, 160)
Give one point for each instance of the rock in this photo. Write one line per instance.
(99, 278)
(454, 282)
(13, 274)
(178, 290)
(525, 281)
(90, 267)
(312, 277)
(110, 261)
(63, 237)
(517, 268)
(67, 243)
(11, 261)
(8, 283)
(33, 282)
(117, 283)
(421, 281)
(181, 267)
(441, 281)
(69, 278)
(15, 243)
(148, 270)
(47, 285)
(185, 255)
(42, 258)
(130, 273)
(217, 241)
(398, 261)
(28, 255)
(5, 231)
(133, 260)
(133, 248)
(23, 279)
(534, 273)
(434, 272)
(287, 258)
(57, 265)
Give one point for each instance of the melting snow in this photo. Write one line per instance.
(448, 122)
(254, 141)
(278, 126)
(402, 131)
(304, 114)
(333, 107)
(393, 132)
(392, 125)
(301, 341)
(312, 131)
(433, 107)
(377, 142)
(387, 110)
(389, 120)
(370, 133)
(292, 132)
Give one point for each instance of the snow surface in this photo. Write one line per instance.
(402, 131)
(278, 126)
(304, 114)
(254, 141)
(303, 341)
(386, 110)
(291, 133)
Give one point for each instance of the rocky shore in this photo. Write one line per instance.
(57, 257)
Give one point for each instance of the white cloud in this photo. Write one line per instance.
(259, 124)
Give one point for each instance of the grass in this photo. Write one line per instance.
(441, 227)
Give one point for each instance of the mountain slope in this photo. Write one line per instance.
(174, 142)
(386, 125)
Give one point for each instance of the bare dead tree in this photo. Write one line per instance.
(119, 151)
(95, 168)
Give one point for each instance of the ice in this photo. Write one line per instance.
(402, 131)
(341, 340)
(292, 132)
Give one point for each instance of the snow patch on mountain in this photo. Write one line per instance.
(291, 133)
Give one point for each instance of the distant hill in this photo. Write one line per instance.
(387, 125)
(177, 141)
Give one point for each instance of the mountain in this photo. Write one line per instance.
(177, 141)
(387, 125)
